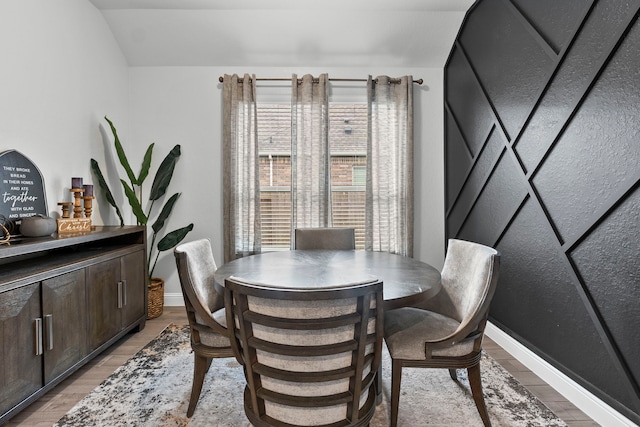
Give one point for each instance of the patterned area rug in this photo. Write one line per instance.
(153, 388)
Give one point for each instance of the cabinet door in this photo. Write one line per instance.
(135, 287)
(65, 322)
(102, 297)
(20, 365)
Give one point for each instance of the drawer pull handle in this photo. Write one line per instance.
(48, 326)
(124, 293)
(120, 295)
(38, 336)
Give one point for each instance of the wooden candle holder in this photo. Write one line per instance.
(77, 206)
(66, 208)
(88, 205)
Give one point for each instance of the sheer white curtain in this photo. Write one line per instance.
(389, 187)
(310, 160)
(241, 183)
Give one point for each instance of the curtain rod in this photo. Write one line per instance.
(283, 79)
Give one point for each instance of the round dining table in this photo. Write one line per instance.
(406, 281)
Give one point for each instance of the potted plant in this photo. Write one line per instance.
(133, 192)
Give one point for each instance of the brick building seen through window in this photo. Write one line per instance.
(348, 147)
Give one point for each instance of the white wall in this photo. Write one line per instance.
(61, 72)
(171, 105)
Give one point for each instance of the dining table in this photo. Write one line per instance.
(406, 281)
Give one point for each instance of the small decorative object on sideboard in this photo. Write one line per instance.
(77, 189)
(82, 208)
(87, 196)
(23, 192)
(5, 233)
(66, 208)
(37, 226)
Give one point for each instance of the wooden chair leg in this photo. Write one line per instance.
(476, 390)
(200, 367)
(396, 378)
(453, 374)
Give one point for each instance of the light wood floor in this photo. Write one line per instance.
(58, 401)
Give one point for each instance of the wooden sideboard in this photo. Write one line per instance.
(63, 300)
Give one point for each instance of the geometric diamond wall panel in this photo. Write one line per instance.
(514, 85)
(554, 19)
(542, 143)
(584, 169)
(474, 183)
(616, 240)
(472, 112)
(497, 204)
(537, 297)
(456, 149)
(573, 79)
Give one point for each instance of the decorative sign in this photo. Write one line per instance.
(74, 225)
(21, 189)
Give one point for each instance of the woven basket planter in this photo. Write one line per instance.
(155, 298)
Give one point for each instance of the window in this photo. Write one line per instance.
(334, 129)
(359, 175)
(348, 147)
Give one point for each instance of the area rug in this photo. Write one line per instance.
(153, 387)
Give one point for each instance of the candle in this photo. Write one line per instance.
(76, 182)
(88, 189)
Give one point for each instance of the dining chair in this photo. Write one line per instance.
(335, 238)
(205, 311)
(310, 357)
(447, 330)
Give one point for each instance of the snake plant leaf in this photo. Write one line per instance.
(135, 204)
(107, 192)
(146, 165)
(164, 213)
(172, 239)
(121, 155)
(164, 174)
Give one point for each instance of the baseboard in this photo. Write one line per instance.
(588, 403)
(173, 299)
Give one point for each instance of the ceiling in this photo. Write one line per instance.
(285, 33)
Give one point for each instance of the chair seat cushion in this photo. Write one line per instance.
(406, 330)
(213, 339)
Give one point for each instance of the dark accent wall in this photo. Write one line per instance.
(542, 125)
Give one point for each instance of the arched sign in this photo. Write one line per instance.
(21, 189)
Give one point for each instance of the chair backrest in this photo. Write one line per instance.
(196, 267)
(325, 238)
(469, 278)
(310, 357)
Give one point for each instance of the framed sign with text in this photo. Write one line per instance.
(21, 189)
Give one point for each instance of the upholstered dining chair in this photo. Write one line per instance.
(205, 311)
(310, 357)
(325, 238)
(447, 330)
